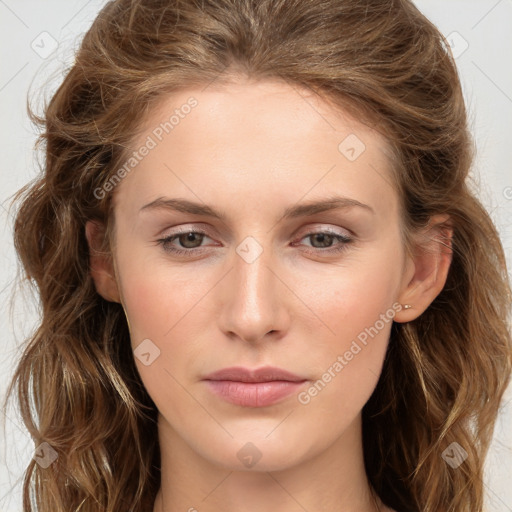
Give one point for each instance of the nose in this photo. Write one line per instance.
(253, 298)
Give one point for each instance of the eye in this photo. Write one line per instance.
(322, 241)
(190, 241)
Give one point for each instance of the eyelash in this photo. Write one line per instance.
(164, 242)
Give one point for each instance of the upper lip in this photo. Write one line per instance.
(264, 374)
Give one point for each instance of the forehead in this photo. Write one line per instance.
(252, 138)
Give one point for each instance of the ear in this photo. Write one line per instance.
(100, 262)
(427, 269)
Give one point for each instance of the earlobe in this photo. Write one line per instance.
(100, 262)
(429, 268)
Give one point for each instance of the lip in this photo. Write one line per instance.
(263, 374)
(258, 387)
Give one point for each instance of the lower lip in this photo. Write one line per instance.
(254, 394)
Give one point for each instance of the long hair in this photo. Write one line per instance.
(444, 373)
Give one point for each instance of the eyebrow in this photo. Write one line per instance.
(292, 212)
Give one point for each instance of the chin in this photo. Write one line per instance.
(259, 451)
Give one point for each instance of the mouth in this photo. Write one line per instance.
(260, 387)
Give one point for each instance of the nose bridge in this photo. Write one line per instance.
(252, 306)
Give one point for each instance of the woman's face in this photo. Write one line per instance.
(265, 278)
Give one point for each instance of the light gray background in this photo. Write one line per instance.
(481, 38)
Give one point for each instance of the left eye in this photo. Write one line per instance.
(325, 239)
(191, 240)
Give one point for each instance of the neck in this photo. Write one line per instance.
(334, 479)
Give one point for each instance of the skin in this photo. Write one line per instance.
(250, 150)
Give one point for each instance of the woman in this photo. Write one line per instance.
(265, 281)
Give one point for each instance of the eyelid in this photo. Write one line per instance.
(310, 230)
(343, 241)
(322, 228)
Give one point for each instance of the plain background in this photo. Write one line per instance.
(481, 39)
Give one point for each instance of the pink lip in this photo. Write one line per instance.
(253, 388)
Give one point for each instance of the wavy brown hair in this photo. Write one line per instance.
(444, 373)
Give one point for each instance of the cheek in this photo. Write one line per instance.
(344, 304)
(156, 297)
(150, 306)
(348, 364)
(157, 311)
(357, 308)
(164, 306)
(354, 296)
